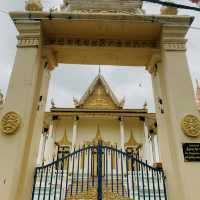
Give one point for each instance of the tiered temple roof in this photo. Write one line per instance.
(64, 140)
(99, 96)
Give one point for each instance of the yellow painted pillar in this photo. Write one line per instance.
(174, 98)
(18, 151)
(74, 133)
(121, 123)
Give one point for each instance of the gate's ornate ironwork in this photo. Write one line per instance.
(101, 171)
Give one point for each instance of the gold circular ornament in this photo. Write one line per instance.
(10, 123)
(191, 126)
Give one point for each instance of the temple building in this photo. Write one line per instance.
(98, 116)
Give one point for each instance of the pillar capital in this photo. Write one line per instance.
(29, 34)
(173, 37)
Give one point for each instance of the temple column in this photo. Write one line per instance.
(50, 144)
(153, 149)
(148, 148)
(48, 63)
(26, 96)
(174, 98)
(22, 98)
(74, 133)
(121, 123)
(154, 143)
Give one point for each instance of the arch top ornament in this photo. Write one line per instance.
(33, 5)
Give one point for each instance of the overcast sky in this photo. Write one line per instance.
(72, 80)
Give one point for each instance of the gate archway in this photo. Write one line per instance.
(45, 39)
(120, 175)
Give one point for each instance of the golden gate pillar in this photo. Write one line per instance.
(18, 116)
(176, 111)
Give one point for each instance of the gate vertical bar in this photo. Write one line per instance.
(99, 163)
(34, 184)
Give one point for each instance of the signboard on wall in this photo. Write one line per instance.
(191, 152)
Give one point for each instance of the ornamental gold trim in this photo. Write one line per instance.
(10, 123)
(100, 42)
(191, 126)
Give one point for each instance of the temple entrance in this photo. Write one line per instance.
(99, 172)
(128, 38)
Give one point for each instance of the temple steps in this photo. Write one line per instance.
(91, 194)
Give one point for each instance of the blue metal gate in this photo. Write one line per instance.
(102, 168)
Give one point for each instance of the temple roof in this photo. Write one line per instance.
(98, 139)
(132, 142)
(64, 141)
(99, 96)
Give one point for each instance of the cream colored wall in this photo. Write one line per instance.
(109, 128)
(87, 129)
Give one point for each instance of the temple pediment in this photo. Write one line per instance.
(99, 96)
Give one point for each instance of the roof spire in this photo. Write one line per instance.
(52, 103)
(197, 82)
(64, 141)
(132, 142)
(99, 69)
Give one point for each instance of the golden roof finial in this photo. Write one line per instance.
(99, 69)
(64, 141)
(98, 137)
(132, 142)
(33, 5)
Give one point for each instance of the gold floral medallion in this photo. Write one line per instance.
(10, 123)
(191, 126)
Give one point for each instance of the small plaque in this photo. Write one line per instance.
(191, 152)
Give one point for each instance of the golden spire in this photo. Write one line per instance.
(99, 70)
(98, 137)
(132, 142)
(64, 141)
